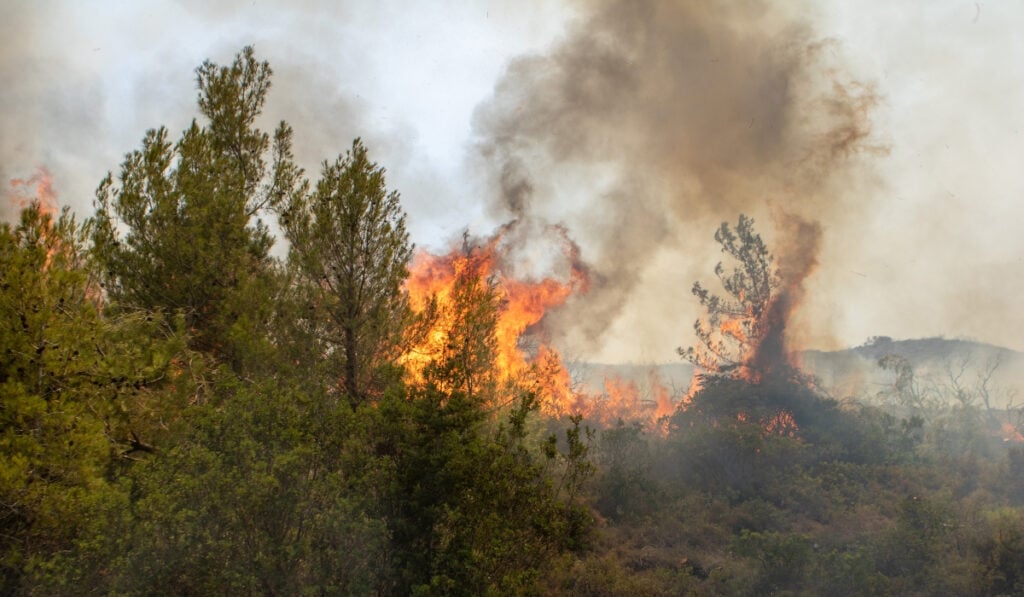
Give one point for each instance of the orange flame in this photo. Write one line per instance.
(523, 305)
(664, 406)
(781, 423)
(761, 335)
(625, 400)
(1011, 434)
(38, 190)
(734, 328)
(522, 353)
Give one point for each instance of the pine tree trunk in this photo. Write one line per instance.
(351, 367)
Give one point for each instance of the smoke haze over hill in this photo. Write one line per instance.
(640, 126)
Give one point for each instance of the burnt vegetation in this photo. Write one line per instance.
(183, 413)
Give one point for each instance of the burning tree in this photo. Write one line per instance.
(471, 318)
(737, 324)
(453, 341)
(459, 295)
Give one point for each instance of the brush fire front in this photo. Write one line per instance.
(523, 355)
(743, 336)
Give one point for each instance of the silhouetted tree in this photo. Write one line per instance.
(735, 322)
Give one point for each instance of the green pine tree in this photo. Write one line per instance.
(348, 240)
(82, 391)
(193, 241)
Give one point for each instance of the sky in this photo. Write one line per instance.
(894, 129)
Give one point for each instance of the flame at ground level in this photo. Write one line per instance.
(522, 353)
(1011, 434)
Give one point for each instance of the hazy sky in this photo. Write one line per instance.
(923, 236)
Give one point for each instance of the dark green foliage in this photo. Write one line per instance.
(191, 243)
(784, 558)
(475, 507)
(348, 241)
(850, 571)
(844, 504)
(745, 436)
(51, 444)
(180, 430)
(1001, 550)
(197, 428)
(475, 510)
(911, 549)
(626, 486)
(80, 391)
(1015, 474)
(255, 499)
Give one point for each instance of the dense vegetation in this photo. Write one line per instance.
(182, 413)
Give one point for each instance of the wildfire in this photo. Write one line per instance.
(749, 340)
(623, 397)
(664, 405)
(1011, 434)
(649, 401)
(38, 190)
(433, 283)
(744, 337)
(781, 423)
(734, 329)
(522, 353)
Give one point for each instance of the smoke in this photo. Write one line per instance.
(652, 122)
(641, 129)
(22, 106)
(67, 88)
(796, 261)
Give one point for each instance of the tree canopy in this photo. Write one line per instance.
(349, 242)
(183, 412)
(190, 210)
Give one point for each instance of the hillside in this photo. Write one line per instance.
(852, 372)
(938, 364)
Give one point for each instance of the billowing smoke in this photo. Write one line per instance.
(652, 122)
(796, 261)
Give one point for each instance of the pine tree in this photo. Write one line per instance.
(475, 506)
(735, 324)
(190, 210)
(79, 389)
(348, 240)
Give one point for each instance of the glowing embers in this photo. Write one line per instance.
(1011, 434)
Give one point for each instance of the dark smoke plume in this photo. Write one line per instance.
(774, 353)
(651, 122)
